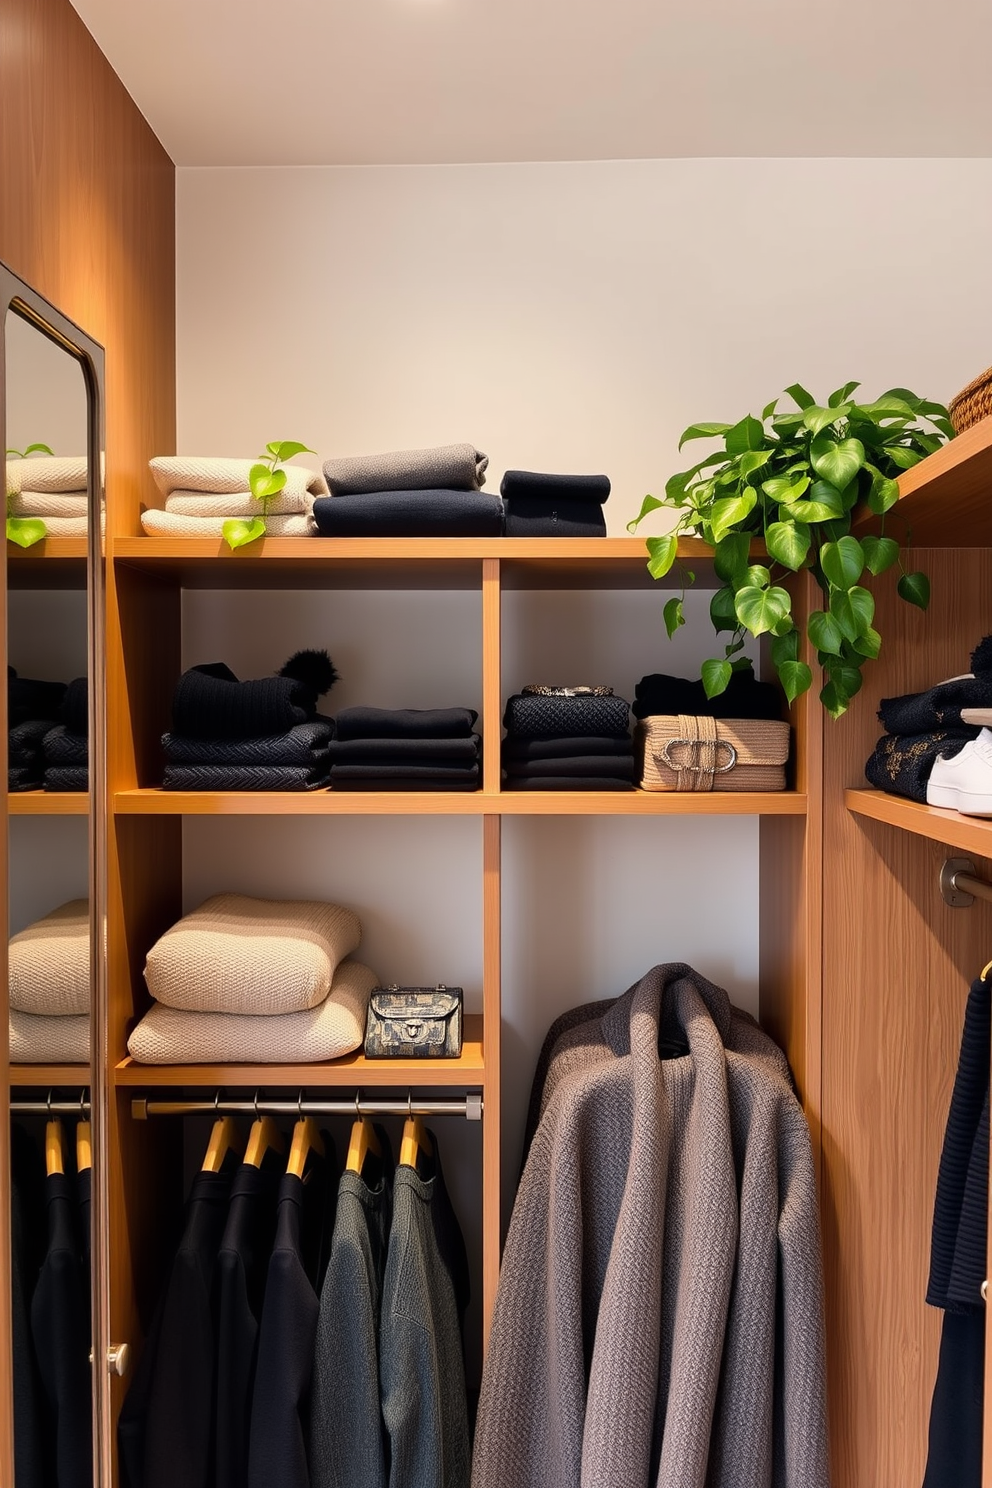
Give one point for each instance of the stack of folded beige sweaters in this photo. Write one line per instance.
(49, 974)
(201, 494)
(52, 487)
(259, 981)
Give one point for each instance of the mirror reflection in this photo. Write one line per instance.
(49, 947)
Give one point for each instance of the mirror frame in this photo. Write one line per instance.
(22, 300)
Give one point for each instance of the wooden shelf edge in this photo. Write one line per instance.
(969, 833)
(944, 499)
(49, 1075)
(456, 803)
(48, 803)
(49, 550)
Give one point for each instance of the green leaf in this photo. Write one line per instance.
(795, 677)
(749, 434)
(715, 675)
(846, 678)
(883, 495)
(38, 449)
(833, 700)
(703, 431)
(730, 511)
(723, 612)
(825, 502)
(757, 576)
(237, 533)
(761, 610)
(752, 461)
(854, 610)
(648, 505)
(662, 552)
(905, 396)
(837, 461)
(799, 395)
(824, 633)
(673, 616)
(780, 488)
(817, 419)
(868, 644)
(903, 457)
(25, 531)
(915, 589)
(887, 407)
(842, 394)
(880, 553)
(288, 448)
(769, 409)
(842, 562)
(788, 543)
(785, 647)
(731, 554)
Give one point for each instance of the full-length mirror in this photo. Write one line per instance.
(55, 902)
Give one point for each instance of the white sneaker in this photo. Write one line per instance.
(964, 783)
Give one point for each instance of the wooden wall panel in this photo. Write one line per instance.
(896, 968)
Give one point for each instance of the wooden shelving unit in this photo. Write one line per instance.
(48, 803)
(50, 1076)
(153, 802)
(969, 833)
(54, 563)
(944, 500)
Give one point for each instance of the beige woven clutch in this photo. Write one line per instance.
(683, 753)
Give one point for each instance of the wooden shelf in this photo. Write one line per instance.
(48, 803)
(350, 1073)
(458, 803)
(54, 563)
(945, 499)
(969, 833)
(35, 1076)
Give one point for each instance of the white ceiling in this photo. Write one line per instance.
(326, 82)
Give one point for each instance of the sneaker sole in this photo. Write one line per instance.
(968, 803)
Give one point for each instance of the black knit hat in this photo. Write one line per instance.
(211, 703)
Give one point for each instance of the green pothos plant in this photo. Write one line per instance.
(266, 479)
(793, 479)
(25, 531)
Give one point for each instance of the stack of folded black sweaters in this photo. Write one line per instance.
(409, 493)
(565, 738)
(538, 505)
(744, 697)
(47, 742)
(263, 734)
(405, 749)
(922, 725)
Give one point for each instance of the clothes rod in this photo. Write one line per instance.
(470, 1108)
(960, 884)
(50, 1108)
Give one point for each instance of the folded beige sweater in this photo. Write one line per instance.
(337, 1027)
(48, 1040)
(222, 477)
(47, 473)
(169, 524)
(250, 956)
(235, 504)
(49, 963)
(43, 504)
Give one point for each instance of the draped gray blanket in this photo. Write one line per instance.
(659, 1317)
(454, 467)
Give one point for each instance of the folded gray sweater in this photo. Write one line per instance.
(454, 467)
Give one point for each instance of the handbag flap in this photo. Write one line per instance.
(738, 741)
(414, 1003)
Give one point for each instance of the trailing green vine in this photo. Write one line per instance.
(794, 480)
(266, 480)
(25, 531)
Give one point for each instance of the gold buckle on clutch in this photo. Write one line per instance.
(665, 756)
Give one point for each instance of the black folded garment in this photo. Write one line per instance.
(24, 743)
(939, 707)
(566, 783)
(534, 716)
(744, 697)
(405, 723)
(410, 514)
(554, 518)
(401, 752)
(26, 777)
(405, 783)
(518, 750)
(28, 699)
(901, 763)
(210, 703)
(62, 747)
(67, 778)
(244, 778)
(621, 767)
(459, 774)
(535, 485)
(75, 712)
(306, 744)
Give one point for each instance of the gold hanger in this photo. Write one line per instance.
(363, 1141)
(306, 1139)
(415, 1139)
(985, 973)
(54, 1147)
(263, 1137)
(223, 1138)
(84, 1139)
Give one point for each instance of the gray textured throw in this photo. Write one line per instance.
(617, 1361)
(453, 467)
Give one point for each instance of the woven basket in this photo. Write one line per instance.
(972, 404)
(683, 753)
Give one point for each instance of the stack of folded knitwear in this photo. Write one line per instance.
(922, 725)
(49, 978)
(410, 493)
(744, 697)
(567, 738)
(52, 487)
(200, 494)
(405, 749)
(246, 980)
(66, 747)
(33, 710)
(538, 505)
(263, 734)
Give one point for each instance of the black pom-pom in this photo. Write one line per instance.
(981, 657)
(313, 668)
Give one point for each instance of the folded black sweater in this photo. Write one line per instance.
(535, 716)
(901, 763)
(67, 778)
(410, 514)
(244, 777)
(519, 750)
(25, 777)
(621, 767)
(567, 783)
(939, 707)
(75, 712)
(28, 699)
(306, 744)
(744, 697)
(535, 485)
(457, 773)
(404, 751)
(24, 741)
(556, 517)
(405, 723)
(62, 747)
(210, 702)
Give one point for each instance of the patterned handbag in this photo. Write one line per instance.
(678, 752)
(414, 1023)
